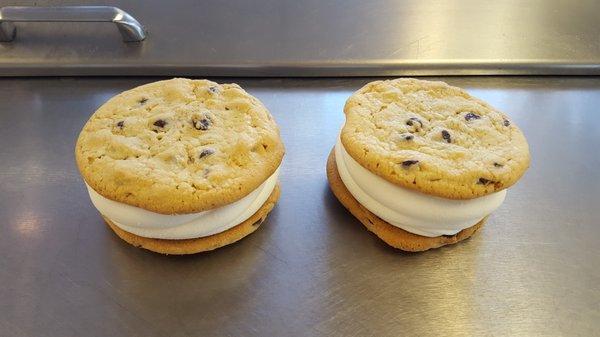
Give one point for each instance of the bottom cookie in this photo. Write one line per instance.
(203, 244)
(392, 235)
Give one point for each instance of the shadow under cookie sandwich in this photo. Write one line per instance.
(422, 164)
(181, 166)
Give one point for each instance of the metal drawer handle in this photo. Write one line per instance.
(131, 30)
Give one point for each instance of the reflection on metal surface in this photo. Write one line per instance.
(28, 223)
(311, 269)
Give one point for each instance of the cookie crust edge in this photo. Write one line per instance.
(203, 244)
(392, 235)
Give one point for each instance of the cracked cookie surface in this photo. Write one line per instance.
(434, 138)
(179, 146)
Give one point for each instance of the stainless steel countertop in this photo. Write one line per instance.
(316, 38)
(311, 269)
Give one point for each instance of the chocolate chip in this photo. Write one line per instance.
(498, 165)
(409, 137)
(506, 122)
(143, 100)
(214, 90)
(160, 123)
(409, 163)
(226, 108)
(202, 124)
(413, 120)
(120, 124)
(414, 124)
(483, 181)
(471, 116)
(446, 136)
(206, 152)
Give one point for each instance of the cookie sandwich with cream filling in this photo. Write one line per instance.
(181, 166)
(422, 164)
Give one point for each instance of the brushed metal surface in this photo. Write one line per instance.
(311, 269)
(319, 38)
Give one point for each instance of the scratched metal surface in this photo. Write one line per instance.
(316, 38)
(311, 269)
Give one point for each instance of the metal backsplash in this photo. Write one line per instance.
(316, 38)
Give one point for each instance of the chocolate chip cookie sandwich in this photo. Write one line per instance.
(181, 166)
(422, 164)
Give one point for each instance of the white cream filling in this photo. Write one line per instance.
(412, 211)
(185, 226)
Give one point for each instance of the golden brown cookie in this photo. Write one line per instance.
(179, 146)
(192, 246)
(392, 235)
(434, 138)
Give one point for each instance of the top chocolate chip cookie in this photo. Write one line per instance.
(434, 138)
(179, 146)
